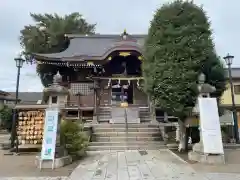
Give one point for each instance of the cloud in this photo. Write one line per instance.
(111, 17)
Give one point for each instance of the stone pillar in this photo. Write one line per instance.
(153, 114)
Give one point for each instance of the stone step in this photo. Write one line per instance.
(104, 114)
(124, 129)
(127, 143)
(144, 114)
(104, 119)
(145, 119)
(129, 134)
(130, 147)
(123, 139)
(137, 125)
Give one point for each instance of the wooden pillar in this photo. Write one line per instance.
(95, 102)
(95, 115)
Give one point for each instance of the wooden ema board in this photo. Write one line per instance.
(30, 127)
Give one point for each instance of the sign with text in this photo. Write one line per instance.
(50, 134)
(210, 126)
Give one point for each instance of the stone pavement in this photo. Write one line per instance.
(135, 165)
(35, 178)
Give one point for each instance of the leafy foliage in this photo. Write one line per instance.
(73, 137)
(47, 35)
(178, 48)
(6, 117)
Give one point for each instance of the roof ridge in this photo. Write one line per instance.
(103, 35)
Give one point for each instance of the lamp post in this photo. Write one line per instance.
(229, 58)
(19, 63)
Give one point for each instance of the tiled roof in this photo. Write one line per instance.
(235, 72)
(4, 93)
(28, 97)
(95, 46)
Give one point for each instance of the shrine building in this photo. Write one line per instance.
(102, 71)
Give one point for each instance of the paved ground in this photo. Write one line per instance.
(23, 166)
(232, 157)
(134, 165)
(122, 165)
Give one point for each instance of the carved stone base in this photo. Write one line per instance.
(59, 162)
(206, 158)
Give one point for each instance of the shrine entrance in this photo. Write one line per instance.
(125, 92)
(129, 94)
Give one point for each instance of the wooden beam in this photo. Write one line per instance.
(117, 78)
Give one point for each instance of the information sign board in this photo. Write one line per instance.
(49, 134)
(210, 126)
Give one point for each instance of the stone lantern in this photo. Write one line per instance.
(56, 94)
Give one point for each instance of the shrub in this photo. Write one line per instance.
(6, 117)
(73, 138)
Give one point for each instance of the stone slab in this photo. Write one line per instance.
(58, 162)
(132, 165)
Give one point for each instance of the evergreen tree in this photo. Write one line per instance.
(47, 35)
(178, 48)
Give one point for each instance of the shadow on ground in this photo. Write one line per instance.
(232, 165)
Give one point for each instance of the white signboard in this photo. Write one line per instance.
(210, 126)
(49, 134)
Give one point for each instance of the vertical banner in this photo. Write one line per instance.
(49, 134)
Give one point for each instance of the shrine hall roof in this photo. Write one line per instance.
(95, 47)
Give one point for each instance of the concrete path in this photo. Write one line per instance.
(135, 165)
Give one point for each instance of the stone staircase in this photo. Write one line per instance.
(144, 115)
(118, 137)
(105, 114)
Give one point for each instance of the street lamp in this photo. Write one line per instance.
(19, 63)
(229, 58)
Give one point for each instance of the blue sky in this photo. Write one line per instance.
(111, 16)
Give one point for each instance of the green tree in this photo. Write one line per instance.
(6, 117)
(178, 48)
(47, 35)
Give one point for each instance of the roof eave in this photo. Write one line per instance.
(39, 56)
(4, 93)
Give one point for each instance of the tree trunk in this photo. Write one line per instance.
(177, 134)
(182, 136)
